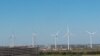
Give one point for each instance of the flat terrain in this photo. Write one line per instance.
(90, 55)
(69, 55)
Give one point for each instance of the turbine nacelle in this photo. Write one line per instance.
(92, 33)
(55, 35)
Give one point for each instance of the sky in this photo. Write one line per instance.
(47, 17)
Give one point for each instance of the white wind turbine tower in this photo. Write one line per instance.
(33, 39)
(91, 38)
(55, 40)
(12, 40)
(68, 38)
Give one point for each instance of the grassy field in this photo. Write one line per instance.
(69, 55)
(90, 55)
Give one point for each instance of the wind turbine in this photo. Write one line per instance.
(33, 39)
(12, 40)
(91, 38)
(68, 38)
(55, 40)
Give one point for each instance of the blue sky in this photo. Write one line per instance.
(46, 17)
